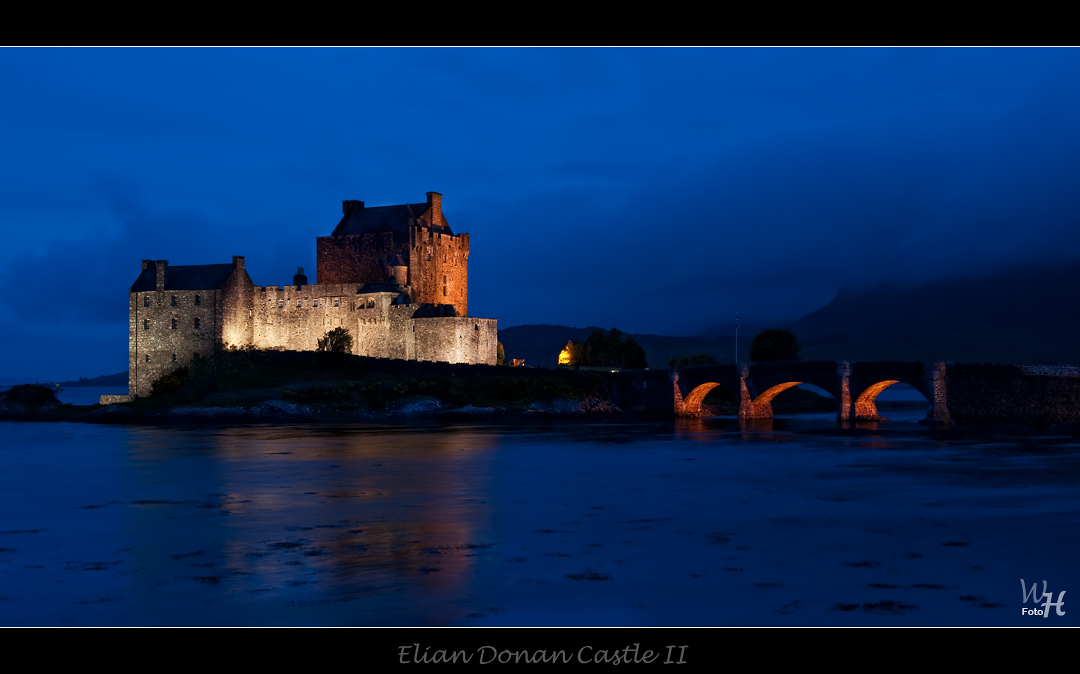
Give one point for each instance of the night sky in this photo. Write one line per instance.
(653, 190)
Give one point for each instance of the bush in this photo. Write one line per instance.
(337, 340)
(167, 383)
(773, 345)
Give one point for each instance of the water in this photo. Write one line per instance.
(81, 395)
(699, 522)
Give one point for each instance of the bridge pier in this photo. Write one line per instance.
(843, 370)
(747, 408)
(679, 409)
(935, 382)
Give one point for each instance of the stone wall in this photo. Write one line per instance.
(167, 328)
(294, 318)
(237, 315)
(357, 258)
(1005, 393)
(456, 340)
(439, 269)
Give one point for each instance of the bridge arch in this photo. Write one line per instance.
(692, 402)
(758, 408)
(865, 407)
(855, 385)
(761, 407)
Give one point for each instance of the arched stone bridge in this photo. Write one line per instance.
(855, 386)
(962, 392)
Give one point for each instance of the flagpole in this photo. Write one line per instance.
(736, 337)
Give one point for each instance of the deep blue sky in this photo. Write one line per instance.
(653, 190)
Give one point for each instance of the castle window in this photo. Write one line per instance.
(146, 324)
(146, 301)
(299, 303)
(314, 303)
(280, 304)
(197, 302)
(336, 302)
(174, 324)
(147, 358)
(174, 300)
(174, 358)
(196, 324)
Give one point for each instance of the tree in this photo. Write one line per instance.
(573, 354)
(692, 360)
(634, 355)
(500, 354)
(604, 350)
(774, 344)
(337, 340)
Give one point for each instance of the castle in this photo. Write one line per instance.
(396, 277)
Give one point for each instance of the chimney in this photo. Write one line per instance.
(238, 261)
(146, 263)
(434, 202)
(351, 205)
(299, 279)
(160, 265)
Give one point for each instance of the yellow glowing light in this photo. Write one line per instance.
(564, 357)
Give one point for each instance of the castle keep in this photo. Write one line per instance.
(396, 277)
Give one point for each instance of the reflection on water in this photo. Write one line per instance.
(792, 521)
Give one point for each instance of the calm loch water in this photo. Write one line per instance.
(701, 522)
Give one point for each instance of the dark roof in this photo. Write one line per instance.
(364, 220)
(189, 277)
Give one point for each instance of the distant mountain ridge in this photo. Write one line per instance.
(1021, 315)
(118, 379)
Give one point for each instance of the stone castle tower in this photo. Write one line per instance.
(411, 243)
(395, 277)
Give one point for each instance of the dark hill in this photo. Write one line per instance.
(119, 379)
(540, 345)
(1020, 316)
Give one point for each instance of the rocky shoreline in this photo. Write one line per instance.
(38, 403)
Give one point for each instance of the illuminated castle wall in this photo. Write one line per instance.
(396, 277)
